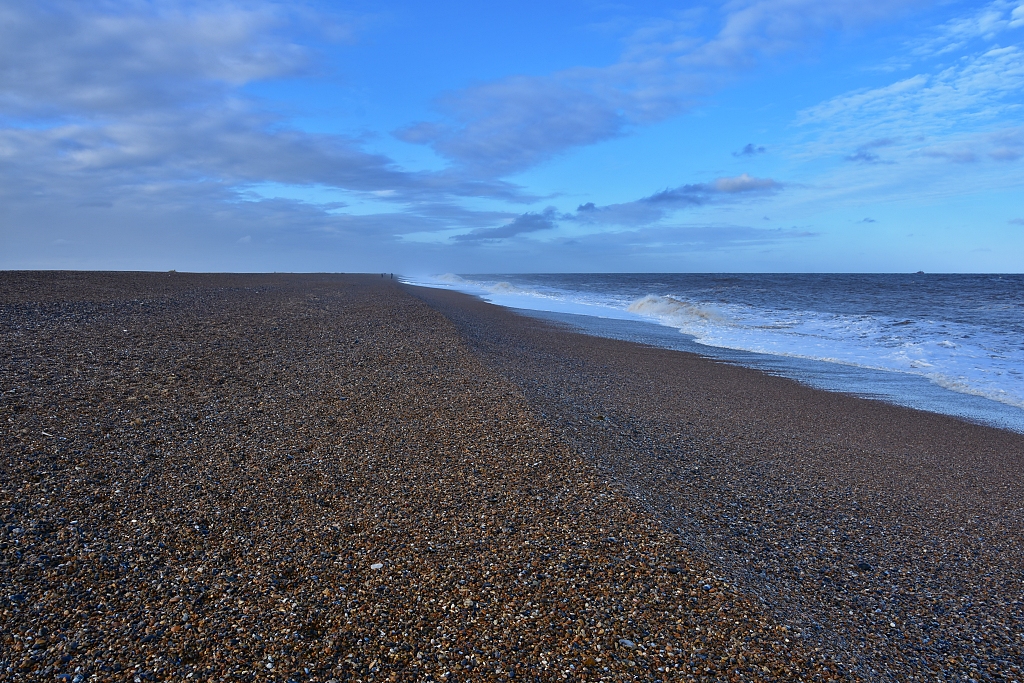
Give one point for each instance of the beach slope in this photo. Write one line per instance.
(316, 478)
(890, 539)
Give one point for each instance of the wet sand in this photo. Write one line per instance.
(326, 477)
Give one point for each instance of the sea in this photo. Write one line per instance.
(951, 344)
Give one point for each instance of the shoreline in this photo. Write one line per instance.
(905, 390)
(202, 473)
(792, 490)
(896, 387)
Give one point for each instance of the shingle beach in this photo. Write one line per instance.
(342, 478)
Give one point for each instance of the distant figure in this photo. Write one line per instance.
(392, 276)
(382, 274)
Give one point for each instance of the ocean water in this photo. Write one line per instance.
(950, 344)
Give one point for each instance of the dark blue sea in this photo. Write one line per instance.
(950, 344)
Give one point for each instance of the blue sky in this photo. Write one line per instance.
(759, 135)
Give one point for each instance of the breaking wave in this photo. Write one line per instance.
(507, 288)
(959, 332)
(675, 312)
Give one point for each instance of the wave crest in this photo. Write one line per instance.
(505, 288)
(674, 310)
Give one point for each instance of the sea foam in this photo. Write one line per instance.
(961, 333)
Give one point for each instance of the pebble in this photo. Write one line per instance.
(257, 494)
(796, 488)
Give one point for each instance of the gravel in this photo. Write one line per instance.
(887, 541)
(321, 478)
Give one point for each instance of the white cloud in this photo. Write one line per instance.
(986, 23)
(1017, 16)
(511, 124)
(139, 103)
(947, 111)
(135, 114)
(865, 100)
(654, 208)
(745, 183)
(85, 58)
(754, 29)
(522, 224)
(973, 96)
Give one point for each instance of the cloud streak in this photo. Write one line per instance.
(653, 208)
(526, 223)
(965, 97)
(986, 23)
(866, 156)
(749, 150)
(675, 241)
(94, 59)
(702, 193)
(509, 125)
(122, 103)
(639, 213)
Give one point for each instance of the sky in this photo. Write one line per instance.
(573, 136)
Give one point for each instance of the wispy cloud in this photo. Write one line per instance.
(527, 222)
(904, 137)
(986, 23)
(1007, 144)
(669, 240)
(959, 156)
(645, 211)
(106, 101)
(761, 28)
(957, 113)
(749, 150)
(973, 92)
(702, 193)
(863, 154)
(511, 124)
(653, 208)
(516, 123)
(89, 58)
